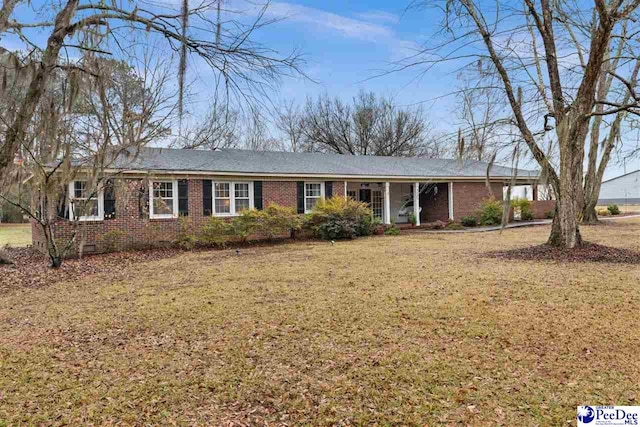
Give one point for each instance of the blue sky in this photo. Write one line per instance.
(346, 44)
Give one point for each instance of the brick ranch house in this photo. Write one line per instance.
(141, 202)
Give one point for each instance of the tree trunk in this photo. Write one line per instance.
(15, 134)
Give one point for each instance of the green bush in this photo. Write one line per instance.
(247, 223)
(392, 231)
(277, 221)
(550, 214)
(216, 232)
(340, 218)
(490, 212)
(186, 239)
(524, 205)
(614, 209)
(413, 219)
(469, 221)
(367, 226)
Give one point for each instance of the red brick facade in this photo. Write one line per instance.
(540, 208)
(468, 196)
(435, 204)
(131, 228)
(283, 193)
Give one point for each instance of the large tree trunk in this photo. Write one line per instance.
(16, 132)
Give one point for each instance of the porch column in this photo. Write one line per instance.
(450, 191)
(416, 202)
(345, 189)
(387, 204)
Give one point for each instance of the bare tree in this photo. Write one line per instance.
(84, 122)
(290, 122)
(220, 128)
(533, 50)
(370, 126)
(244, 67)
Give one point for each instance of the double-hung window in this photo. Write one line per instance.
(231, 198)
(313, 192)
(87, 203)
(163, 201)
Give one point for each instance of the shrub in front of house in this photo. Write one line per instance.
(340, 218)
(603, 212)
(216, 232)
(550, 214)
(614, 209)
(367, 226)
(392, 231)
(279, 221)
(524, 205)
(247, 223)
(469, 221)
(490, 212)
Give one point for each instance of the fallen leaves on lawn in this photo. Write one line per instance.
(588, 252)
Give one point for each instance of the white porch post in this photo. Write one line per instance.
(416, 202)
(345, 189)
(387, 204)
(450, 200)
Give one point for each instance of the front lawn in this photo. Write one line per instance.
(15, 234)
(419, 329)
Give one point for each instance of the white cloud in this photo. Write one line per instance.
(379, 16)
(348, 27)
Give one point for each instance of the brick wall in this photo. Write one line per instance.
(541, 207)
(468, 196)
(130, 230)
(435, 207)
(283, 193)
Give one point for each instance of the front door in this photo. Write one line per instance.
(365, 196)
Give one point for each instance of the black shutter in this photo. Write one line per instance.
(63, 204)
(183, 197)
(143, 200)
(109, 199)
(207, 201)
(328, 189)
(300, 186)
(257, 195)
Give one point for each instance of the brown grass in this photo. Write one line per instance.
(15, 235)
(420, 329)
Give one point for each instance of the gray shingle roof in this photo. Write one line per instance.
(282, 163)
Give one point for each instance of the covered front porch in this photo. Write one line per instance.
(393, 202)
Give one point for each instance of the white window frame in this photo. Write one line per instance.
(312, 197)
(232, 197)
(174, 199)
(72, 198)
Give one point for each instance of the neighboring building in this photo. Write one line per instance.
(141, 204)
(623, 190)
